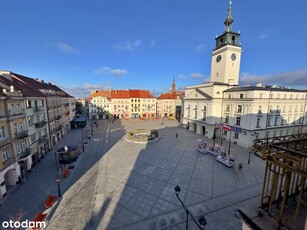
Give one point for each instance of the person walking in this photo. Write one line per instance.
(176, 135)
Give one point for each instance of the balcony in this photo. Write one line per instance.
(4, 141)
(38, 109)
(66, 104)
(16, 114)
(42, 139)
(21, 135)
(25, 153)
(40, 124)
(58, 117)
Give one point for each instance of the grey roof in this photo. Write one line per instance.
(266, 88)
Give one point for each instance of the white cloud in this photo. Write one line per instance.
(295, 78)
(127, 45)
(110, 71)
(83, 91)
(196, 75)
(64, 47)
(181, 76)
(200, 47)
(266, 33)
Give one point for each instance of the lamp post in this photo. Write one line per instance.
(202, 222)
(82, 139)
(57, 174)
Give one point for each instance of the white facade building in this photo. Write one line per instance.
(252, 111)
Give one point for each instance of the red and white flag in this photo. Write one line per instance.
(226, 127)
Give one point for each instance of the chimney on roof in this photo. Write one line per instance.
(6, 74)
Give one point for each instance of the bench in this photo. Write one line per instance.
(39, 217)
(65, 173)
(50, 201)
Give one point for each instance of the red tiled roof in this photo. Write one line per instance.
(138, 93)
(120, 94)
(101, 93)
(166, 96)
(131, 93)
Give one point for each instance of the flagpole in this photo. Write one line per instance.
(229, 143)
(221, 133)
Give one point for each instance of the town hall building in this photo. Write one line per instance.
(252, 112)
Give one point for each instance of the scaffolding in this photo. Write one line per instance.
(285, 175)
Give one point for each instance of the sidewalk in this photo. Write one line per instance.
(27, 198)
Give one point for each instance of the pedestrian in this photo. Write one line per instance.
(176, 135)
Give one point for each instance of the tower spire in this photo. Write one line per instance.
(228, 22)
(173, 86)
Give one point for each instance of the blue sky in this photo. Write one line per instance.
(138, 44)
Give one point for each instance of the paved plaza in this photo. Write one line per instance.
(117, 184)
(135, 183)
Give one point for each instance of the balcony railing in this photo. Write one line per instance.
(20, 112)
(21, 135)
(40, 124)
(38, 109)
(42, 139)
(4, 141)
(25, 153)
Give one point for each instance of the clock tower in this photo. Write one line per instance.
(226, 57)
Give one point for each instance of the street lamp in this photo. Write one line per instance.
(202, 222)
(57, 173)
(82, 139)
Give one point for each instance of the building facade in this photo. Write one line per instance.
(251, 111)
(169, 103)
(122, 103)
(34, 115)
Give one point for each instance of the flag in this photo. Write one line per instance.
(226, 127)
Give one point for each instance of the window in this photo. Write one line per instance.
(2, 132)
(227, 119)
(188, 113)
(260, 95)
(18, 147)
(20, 127)
(23, 144)
(195, 115)
(269, 121)
(236, 135)
(282, 121)
(258, 122)
(275, 122)
(238, 120)
(277, 109)
(227, 108)
(267, 134)
(29, 104)
(241, 96)
(239, 109)
(18, 108)
(229, 96)
(302, 108)
(290, 108)
(15, 128)
(12, 109)
(259, 109)
(33, 138)
(204, 113)
(296, 108)
(5, 154)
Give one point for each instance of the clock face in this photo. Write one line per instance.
(233, 56)
(218, 58)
